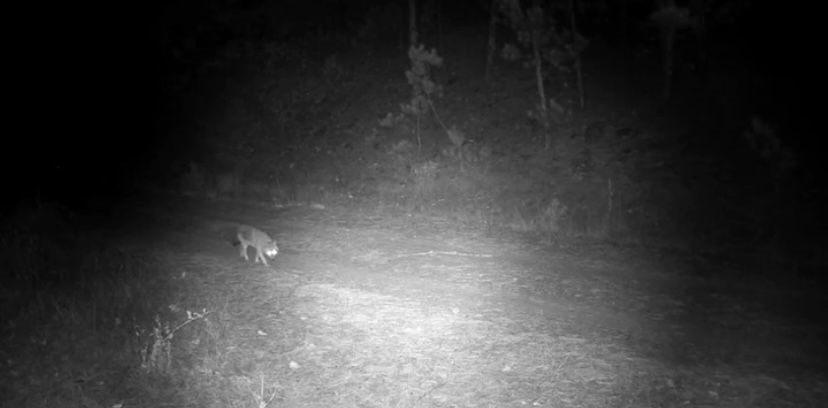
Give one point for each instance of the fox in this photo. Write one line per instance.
(248, 236)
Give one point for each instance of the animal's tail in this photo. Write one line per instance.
(227, 231)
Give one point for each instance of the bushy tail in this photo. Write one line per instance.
(227, 230)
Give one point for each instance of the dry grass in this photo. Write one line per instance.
(358, 312)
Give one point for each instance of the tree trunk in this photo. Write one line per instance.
(667, 38)
(698, 9)
(492, 46)
(412, 23)
(578, 71)
(624, 22)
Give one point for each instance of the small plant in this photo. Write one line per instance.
(194, 181)
(425, 172)
(227, 184)
(669, 19)
(156, 354)
(332, 69)
(260, 395)
(423, 88)
(779, 162)
(424, 175)
(457, 138)
(763, 141)
(552, 216)
(548, 42)
(390, 120)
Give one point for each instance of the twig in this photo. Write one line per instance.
(260, 397)
(191, 317)
(430, 390)
(454, 253)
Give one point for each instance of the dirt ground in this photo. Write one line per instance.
(359, 310)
